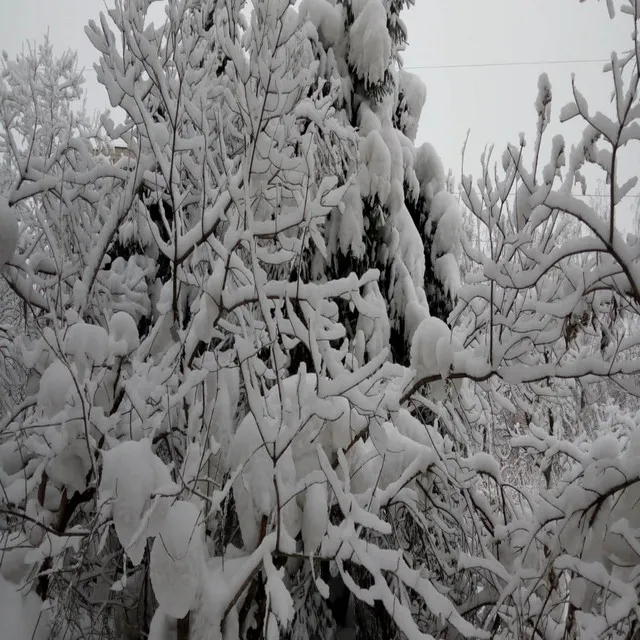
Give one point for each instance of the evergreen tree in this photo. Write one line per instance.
(384, 221)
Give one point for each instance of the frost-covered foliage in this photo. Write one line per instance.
(245, 414)
(212, 439)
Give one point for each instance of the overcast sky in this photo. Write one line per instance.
(457, 37)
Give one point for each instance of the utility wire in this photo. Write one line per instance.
(635, 196)
(472, 65)
(506, 64)
(602, 195)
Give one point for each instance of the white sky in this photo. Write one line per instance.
(495, 102)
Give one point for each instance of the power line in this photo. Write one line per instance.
(603, 195)
(634, 196)
(507, 64)
(472, 65)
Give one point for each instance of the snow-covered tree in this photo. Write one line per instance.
(385, 220)
(245, 414)
(40, 105)
(176, 464)
(548, 311)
